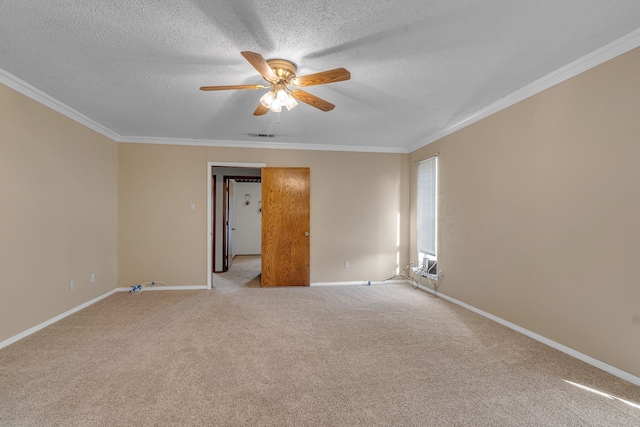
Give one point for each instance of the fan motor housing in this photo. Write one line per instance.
(285, 70)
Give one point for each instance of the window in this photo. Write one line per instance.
(427, 205)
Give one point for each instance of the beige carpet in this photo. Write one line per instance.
(240, 355)
(244, 273)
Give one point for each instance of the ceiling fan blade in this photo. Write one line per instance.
(324, 77)
(207, 88)
(260, 64)
(312, 100)
(261, 110)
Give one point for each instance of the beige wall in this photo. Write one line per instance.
(356, 202)
(539, 207)
(58, 211)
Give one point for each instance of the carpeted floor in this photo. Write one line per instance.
(244, 273)
(240, 355)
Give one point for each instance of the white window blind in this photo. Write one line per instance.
(427, 182)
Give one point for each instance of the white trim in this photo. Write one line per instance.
(209, 226)
(37, 95)
(67, 313)
(53, 320)
(166, 288)
(210, 166)
(597, 57)
(237, 165)
(563, 348)
(260, 144)
(357, 283)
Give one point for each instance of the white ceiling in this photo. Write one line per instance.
(132, 69)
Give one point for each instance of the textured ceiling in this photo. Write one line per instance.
(418, 67)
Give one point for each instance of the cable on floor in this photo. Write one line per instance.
(138, 289)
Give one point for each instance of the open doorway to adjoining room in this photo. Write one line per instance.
(241, 218)
(234, 219)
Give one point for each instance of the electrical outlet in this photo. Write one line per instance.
(72, 285)
(93, 277)
(346, 264)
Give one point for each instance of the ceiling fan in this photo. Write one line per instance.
(280, 74)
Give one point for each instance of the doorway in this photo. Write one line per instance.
(215, 192)
(284, 223)
(241, 217)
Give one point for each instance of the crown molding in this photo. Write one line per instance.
(607, 52)
(266, 145)
(37, 95)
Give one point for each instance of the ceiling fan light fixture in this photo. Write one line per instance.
(282, 96)
(276, 106)
(291, 102)
(276, 99)
(267, 99)
(280, 74)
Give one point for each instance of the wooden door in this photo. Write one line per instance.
(285, 227)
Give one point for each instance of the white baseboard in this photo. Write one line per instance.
(357, 283)
(53, 320)
(563, 348)
(166, 288)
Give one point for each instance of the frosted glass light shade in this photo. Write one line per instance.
(267, 99)
(276, 100)
(282, 96)
(291, 102)
(276, 106)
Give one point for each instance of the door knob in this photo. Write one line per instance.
(306, 233)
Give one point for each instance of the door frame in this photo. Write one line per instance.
(210, 224)
(212, 221)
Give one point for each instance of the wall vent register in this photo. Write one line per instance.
(262, 135)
